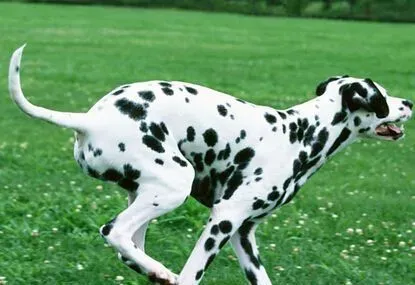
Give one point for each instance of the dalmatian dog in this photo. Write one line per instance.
(164, 141)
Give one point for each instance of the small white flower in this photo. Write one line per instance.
(29, 216)
(359, 231)
(350, 231)
(35, 233)
(370, 242)
(55, 230)
(99, 187)
(79, 266)
(46, 261)
(402, 243)
(383, 258)
(119, 278)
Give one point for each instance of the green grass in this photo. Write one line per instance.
(77, 54)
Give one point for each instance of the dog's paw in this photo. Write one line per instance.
(163, 277)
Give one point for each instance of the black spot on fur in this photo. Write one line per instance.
(165, 84)
(223, 176)
(211, 137)
(191, 90)
(134, 110)
(92, 172)
(167, 91)
(186, 100)
(128, 184)
(233, 183)
(244, 231)
(270, 118)
(143, 127)
(105, 230)
(121, 146)
(250, 275)
(258, 204)
(357, 121)
(344, 135)
(319, 144)
(157, 132)
(147, 95)
(243, 157)
(364, 130)
(339, 117)
(291, 112)
(242, 134)
(408, 104)
(286, 183)
(225, 153)
(210, 156)
(209, 244)
(240, 100)
(191, 134)
(321, 88)
(159, 161)
(118, 92)
(225, 227)
(224, 241)
(164, 128)
(209, 261)
(273, 196)
(222, 110)
(97, 152)
(153, 143)
(112, 175)
(198, 160)
(214, 230)
(309, 135)
(181, 162)
(131, 172)
(199, 274)
(258, 171)
(282, 115)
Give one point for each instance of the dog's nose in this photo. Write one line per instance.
(408, 104)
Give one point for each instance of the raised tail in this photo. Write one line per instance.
(76, 121)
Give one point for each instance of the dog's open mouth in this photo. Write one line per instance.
(390, 131)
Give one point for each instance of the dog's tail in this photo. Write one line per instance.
(74, 121)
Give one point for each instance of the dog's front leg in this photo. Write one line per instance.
(245, 247)
(222, 225)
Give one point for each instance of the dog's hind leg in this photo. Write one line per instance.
(245, 247)
(140, 234)
(157, 196)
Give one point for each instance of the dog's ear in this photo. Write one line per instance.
(356, 96)
(321, 87)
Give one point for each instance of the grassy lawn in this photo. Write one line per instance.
(353, 223)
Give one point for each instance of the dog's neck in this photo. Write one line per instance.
(326, 129)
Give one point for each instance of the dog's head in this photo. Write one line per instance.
(367, 106)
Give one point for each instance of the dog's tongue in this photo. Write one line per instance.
(394, 129)
(388, 130)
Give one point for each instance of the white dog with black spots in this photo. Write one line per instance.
(163, 141)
